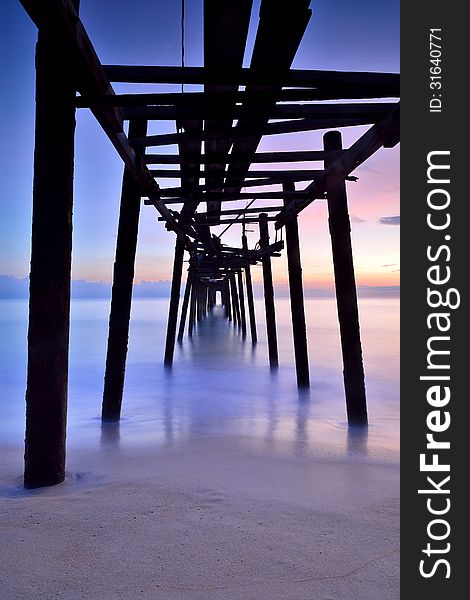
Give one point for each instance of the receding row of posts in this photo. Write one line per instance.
(49, 307)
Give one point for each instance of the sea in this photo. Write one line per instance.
(220, 384)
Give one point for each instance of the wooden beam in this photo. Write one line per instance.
(259, 157)
(265, 182)
(213, 98)
(249, 295)
(303, 175)
(371, 111)
(184, 308)
(174, 303)
(241, 294)
(247, 132)
(296, 293)
(225, 32)
(268, 294)
(383, 133)
(233, 196)
(121, 295)
(382, 84)
(346, 296)
(51, 254)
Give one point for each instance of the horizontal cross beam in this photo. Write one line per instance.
(278, 111)
(259, 157)
(277, 128)
(384, 133)
(214, 97)
(388, 83)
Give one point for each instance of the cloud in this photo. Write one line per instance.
(393, 220)
(356, 219)
(389, 265)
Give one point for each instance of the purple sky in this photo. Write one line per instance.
(342, 35)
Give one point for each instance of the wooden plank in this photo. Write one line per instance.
(246, 132)
(279, 33)
(260, 157)
(298, 174)
(190, 155)
(382, 84)
(220, 112)
(382, 133)
(238, 211)
(225, 32)
(248, 183)
(213, 98)
(234, 196)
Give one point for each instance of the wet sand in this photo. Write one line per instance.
(204, 519)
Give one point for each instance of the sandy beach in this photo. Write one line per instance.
(214, 519)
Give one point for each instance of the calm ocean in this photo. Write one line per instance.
(220, 385)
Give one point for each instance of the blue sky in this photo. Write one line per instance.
(342, 35)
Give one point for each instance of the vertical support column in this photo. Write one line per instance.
(51, 250)
(174, 302)
(242, 302)
(228, 301)
(121, 296)
(346, 295)
(249, 295)
(236, 305)
(268, 292)
(184, 308)
(296, 292)
(192, 309)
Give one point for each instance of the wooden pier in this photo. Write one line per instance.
(216, 167)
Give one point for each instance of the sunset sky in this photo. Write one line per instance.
(363, 35)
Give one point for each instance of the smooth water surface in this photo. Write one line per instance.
(220, 384)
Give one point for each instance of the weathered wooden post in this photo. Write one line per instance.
(227, 301)
(249, 295)
(236, 305)
(268, 292)
(296, 292)
(51, 251)
(242, 302)
(346, 295)
(174, 302)
(121, 296)
(184, 308)
(193, 305)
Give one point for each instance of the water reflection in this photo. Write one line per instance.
(110, 435)
(221, 385)
(357, 440)
(301, 442)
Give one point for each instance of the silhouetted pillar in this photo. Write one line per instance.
(242, 302)
(296, 296)
(49, 286)
(192, 309)
(184, 308)
(236, 305)
(121, 296)
(346, 295)
(228, 301)
(268, 292)
(174, 302)
(249, 295)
